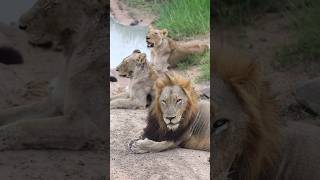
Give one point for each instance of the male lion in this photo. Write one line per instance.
(166, 53)
(74, 115)
(176, 118)
(142, 77)
(248, 142)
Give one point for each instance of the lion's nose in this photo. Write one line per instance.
(147, 38)
(170, 118)
(23, 27)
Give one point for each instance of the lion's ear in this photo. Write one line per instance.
(136, 51)
(164, 32)
(151, 27)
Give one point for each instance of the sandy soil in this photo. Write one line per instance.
(25, 84)
(126, 15)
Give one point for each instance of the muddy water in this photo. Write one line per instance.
(11, 10)
(125, 39)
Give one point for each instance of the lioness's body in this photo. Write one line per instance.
(167, 53)
(141, 82)
(189, 127)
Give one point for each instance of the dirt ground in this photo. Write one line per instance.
(27, 83)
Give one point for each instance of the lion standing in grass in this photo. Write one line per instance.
(176, 118)
(167, 53)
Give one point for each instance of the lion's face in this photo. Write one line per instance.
(127, 67)
(228, 127)
(155, 36)
(173, 104)
(48, 21)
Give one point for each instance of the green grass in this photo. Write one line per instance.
(188, 18)
(306, 28)
(185, 18)
(202, 60)
(149, 6)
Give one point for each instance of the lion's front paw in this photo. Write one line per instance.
(138, 146)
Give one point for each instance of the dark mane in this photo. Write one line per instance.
(156, 129)
(260, 147)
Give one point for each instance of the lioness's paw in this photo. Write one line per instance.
(137, 146)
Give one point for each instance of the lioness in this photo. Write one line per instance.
(166, 53)
(142, 77)
(74, 114)
(248, 142)
(176, 118)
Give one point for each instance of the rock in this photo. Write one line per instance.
(9, 55)
(113, 79)
(134, 23)
(308, 95)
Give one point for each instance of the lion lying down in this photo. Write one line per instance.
(142, 77)
(167, 53)
(248, 142)
(176, 118)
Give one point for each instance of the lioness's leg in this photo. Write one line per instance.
(197, 47)
(130, 103)
(137, 101)
(37, 110)
(123, 95)
(146, 145)
(58, 133)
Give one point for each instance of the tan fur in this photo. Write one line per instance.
(142, 76)
(74, 114)
(193, 130)
(167, 53)
(252, 144)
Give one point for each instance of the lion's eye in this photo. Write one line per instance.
(163, 102)
(220, 122)
(179, 101)
(220, 125)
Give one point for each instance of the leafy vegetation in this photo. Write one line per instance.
(183, 18)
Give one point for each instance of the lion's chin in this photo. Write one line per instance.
(172, 127)
(150, 45)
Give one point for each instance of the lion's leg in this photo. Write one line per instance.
(123, 95)
(162, 64)
(130, 103)
(137, 101)
(194, 48)
(37, 110)
(58, 133)
(52, 106)
(146, 145)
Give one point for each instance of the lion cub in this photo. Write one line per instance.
(176, 118)
(142, 77)
(166, 53)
